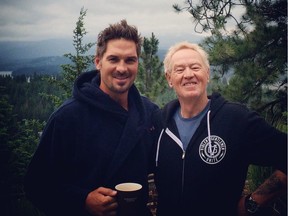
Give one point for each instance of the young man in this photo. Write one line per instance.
(206, 144)
(97, 139)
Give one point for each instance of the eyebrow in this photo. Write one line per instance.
(117, 56)
(133, 57)
(190, 64)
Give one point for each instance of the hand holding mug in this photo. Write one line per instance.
(101, 201)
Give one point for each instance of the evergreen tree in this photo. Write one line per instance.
(27, 102)
(17, 144)
(151, 80)
(8, 126)
(23, 146)
(80, 61)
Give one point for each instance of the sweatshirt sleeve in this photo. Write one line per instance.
(266, 146)
(45, 181)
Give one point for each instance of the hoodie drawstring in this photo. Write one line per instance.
(158, 146)
(178, 141)
(208, 131)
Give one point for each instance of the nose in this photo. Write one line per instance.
(188, 72)
(121, 66)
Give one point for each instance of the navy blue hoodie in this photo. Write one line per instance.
(89, 142)
(208, 178)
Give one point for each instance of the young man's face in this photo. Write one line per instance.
(189, 76)
(118, 67)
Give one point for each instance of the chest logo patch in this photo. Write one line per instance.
(214, 153)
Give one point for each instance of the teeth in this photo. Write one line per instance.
(186, 84)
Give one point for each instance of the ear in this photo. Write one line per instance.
(97, 63)
(168, 78)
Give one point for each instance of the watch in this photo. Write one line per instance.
(251, 205)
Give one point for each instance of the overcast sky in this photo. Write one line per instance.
(49, 19)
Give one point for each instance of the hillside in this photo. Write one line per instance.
(41, 57)
(41, 65)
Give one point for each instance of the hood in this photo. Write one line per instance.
(217, 101)
(86, 89)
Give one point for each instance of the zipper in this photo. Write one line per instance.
(183, 172)
(180, 144)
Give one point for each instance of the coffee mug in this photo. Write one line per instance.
(128, 196)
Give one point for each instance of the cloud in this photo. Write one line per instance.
(47, 19)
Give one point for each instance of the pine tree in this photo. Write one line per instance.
(80, 62)
(18, 141)
(151, 80)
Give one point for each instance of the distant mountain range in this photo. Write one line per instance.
(33, 49)
(29, 57)
(41, 57)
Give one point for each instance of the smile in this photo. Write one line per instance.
(121, 78)
(189, 83)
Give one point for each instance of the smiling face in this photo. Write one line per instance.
(118, 68)
(189, 75)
